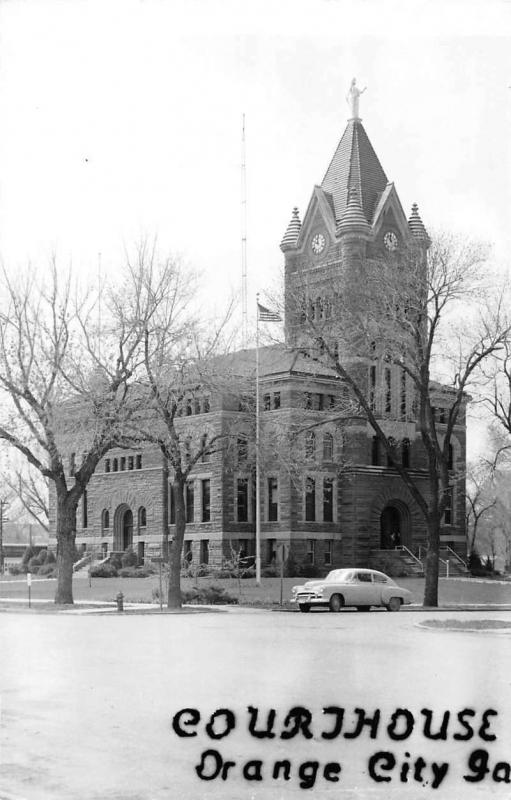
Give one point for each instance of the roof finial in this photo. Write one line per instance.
(352, 98)
(292, 232)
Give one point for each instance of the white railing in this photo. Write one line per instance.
(456, 555)
(443, 561)
(409, 553)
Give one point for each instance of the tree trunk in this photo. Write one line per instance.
(432, 561)
(66, 535)
(174, 599)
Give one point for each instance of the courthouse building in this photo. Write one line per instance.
(337, 501)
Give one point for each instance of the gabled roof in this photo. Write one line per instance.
(390, 199)
(355, 164)
(323, 202)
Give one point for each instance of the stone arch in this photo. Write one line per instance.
(395, 526)
(132, 498)
(123, 527)
(395, 495)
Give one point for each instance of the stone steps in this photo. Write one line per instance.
(396, 562)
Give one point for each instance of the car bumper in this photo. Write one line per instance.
(308, 599)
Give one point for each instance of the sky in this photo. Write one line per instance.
(122, 120)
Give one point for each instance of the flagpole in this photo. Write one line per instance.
(258, 489)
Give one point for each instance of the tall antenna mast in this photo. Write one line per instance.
(243, 239)
(99, 305)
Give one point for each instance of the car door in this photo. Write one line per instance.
(382, 588)
(364, 589)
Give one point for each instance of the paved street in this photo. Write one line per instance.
(88, 701)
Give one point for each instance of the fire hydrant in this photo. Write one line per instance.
(120, 601)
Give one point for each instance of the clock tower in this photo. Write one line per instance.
(354, 218)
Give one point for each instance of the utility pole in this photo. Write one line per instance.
(244, 323)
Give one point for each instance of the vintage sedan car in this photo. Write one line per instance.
(362, 588)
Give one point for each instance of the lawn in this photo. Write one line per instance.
(451, 591)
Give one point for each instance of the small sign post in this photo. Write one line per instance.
(29, 586)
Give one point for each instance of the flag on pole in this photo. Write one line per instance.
(266, 315)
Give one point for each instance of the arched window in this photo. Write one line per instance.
(392, 443)
(328, 447)
(105, 519)
(206, 455)
(242, 448)
(405, 453)
(310, 445)
(450, 457)
(186, 450)
(375, 451)
(142, 519)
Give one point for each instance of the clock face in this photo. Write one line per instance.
(318, 243)
(390, 240)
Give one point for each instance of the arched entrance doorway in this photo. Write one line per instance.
(123, 528)
(127, 529)
(395, 526)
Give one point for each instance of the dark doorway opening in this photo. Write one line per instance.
(390, 528)
(127, 529)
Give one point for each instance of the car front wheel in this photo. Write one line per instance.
(336, 602)
(304, 607)
(394, 604)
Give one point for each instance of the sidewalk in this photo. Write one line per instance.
(104, 607)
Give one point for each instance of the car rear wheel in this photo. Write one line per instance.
(363, 608)
(336, 602)
(394, 604)
(304, 607)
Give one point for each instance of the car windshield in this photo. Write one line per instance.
(340, 575)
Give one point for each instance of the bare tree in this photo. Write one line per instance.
(66, 399)
(481, 499)
(182, 375)
(429, 315)
(30, 492)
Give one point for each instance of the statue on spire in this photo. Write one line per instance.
(352, 98)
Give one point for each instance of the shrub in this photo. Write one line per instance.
(270, 572)
(115, 561)
(28, 555)
(248, 573)
(208, 595)
(222, 574)
(103, 571)
(129, 558)
(42, 556)
(488, 565)
(17, 569)
(50, 557)
(48, 570)
(308, 571)
(201, 595)
(33, 565)
(475, 565)
(135, 572)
